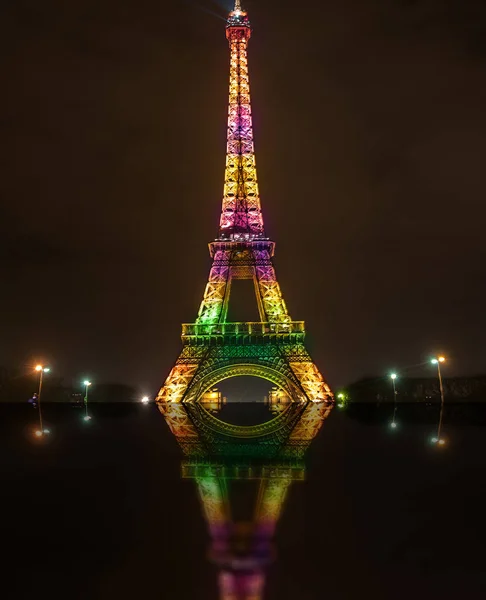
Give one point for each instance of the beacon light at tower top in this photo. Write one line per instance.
(238, 12)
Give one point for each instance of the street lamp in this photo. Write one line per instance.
(437, 361)
(145, 400)
(341, 398)
(393, 424)
(41, 370)
(86, 384)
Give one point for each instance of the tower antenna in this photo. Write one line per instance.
(237, 5)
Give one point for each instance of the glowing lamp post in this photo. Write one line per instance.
(437, 361)
(393, 424)
(145, 400)
(41, 370)
(86, 384)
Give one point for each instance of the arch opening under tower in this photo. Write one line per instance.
(245, 400)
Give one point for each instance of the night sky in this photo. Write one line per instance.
(370, 133)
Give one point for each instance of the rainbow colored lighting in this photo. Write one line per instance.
(217, 453)
(249, 260)
(241, 215)
(214, 349)
(242, 252)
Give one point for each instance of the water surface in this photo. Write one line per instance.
(100, 511)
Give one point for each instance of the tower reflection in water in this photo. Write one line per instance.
(228, 460)
(242, 482)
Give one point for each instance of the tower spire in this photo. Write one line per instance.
(241, 216)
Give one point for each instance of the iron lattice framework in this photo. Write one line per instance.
(273, 348)
(241, 214)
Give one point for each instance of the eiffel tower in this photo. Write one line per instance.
(214, 349)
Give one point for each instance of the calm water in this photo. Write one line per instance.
(100, 511)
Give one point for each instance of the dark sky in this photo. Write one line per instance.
(370, 134)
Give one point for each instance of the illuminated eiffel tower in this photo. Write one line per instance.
(218, 455)
(273, 348)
